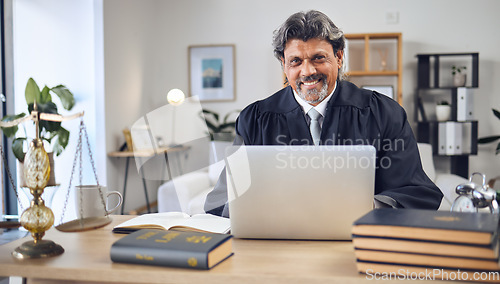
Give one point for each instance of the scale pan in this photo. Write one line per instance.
(84, 224)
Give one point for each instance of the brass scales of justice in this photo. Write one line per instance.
(38, 218)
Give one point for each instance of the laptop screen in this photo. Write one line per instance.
(298, 192)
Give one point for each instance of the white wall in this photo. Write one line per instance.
(146, 45)
(60, 42)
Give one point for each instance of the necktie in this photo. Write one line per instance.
(314, 126)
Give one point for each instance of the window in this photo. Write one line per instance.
(8, 198)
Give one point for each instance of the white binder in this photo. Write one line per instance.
(465, 106)
(450, 138)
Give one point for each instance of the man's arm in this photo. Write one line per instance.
(400, 176)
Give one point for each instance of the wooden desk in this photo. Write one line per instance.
(86, 258)
(144, 154)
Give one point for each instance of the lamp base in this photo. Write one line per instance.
(41, 249)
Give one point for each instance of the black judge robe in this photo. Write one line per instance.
(353, 116)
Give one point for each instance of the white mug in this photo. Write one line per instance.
(89, 203)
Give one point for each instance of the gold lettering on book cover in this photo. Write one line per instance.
(447, 218)
(146, 236)
(198, 239)
(167, 237)
(192, 261)
(144, 257)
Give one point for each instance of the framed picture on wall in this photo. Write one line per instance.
(211, 72)
(385, 90)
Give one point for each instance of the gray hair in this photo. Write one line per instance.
(305, 26)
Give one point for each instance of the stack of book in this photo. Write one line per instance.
(410, 241)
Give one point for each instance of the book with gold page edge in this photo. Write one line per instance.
(193, 250)
(443, 226)
(427, 260)
(489, 251)
(178, 221)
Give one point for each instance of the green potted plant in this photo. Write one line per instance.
(220, 130)
(52, 132)
(459, 75)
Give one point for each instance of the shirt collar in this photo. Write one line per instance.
(321, 107)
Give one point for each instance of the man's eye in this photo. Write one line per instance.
(294, 62)
(319, 58)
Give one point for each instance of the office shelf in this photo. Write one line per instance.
(361, 61)
(434, 84)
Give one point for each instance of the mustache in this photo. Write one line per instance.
(313, 77)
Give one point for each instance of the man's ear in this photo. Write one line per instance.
(340, 57)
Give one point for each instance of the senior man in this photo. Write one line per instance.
(310, 49)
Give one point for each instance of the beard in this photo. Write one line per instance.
(312, 96)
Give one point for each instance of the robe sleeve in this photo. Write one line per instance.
(399, 173)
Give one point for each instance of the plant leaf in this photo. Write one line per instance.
(211, 113)
(63, 137)
(49, 107)
(17, 148)
(32, 91)
(488, 139)
(211, 119)
(211, 126)
(65, 95)
(45, 96)
(61, 142)
(496, 113)
(11, 131)
(57, 148)
(225, 126)
(226, 117)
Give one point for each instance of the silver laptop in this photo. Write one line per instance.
(298, 192)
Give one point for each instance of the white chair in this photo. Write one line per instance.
(188, 192)
(446, 182)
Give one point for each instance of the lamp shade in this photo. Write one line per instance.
(175, 97)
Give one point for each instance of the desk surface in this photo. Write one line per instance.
(86, 257)
(146, 153)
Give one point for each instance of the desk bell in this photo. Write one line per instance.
(473, 196)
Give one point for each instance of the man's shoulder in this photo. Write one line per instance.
(352, 95)
(280, 102)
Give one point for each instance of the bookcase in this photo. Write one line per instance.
(372, 58)
(455, 138)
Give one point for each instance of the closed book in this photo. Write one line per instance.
(488, 251)
(179, 221)
(172, 248)
(427, 260)
(418, 224)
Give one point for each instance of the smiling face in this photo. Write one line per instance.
(311, 68)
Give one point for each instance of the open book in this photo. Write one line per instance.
(175, 221)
